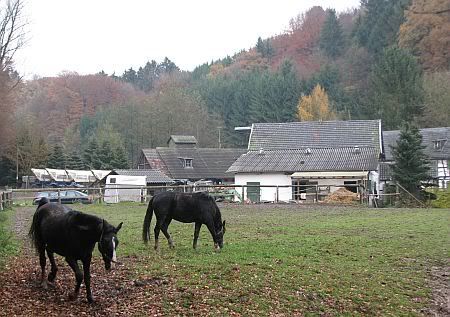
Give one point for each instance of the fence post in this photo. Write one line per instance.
(242, 196)
(317, 193)
(59, 196)
(1, 201)
(276, 196)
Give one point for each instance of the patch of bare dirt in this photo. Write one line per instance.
(440, 284)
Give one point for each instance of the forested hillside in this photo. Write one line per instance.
(386, 60)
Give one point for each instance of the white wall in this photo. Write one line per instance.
(267, 193)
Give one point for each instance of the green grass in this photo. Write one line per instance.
(8, 244)
(287, 259)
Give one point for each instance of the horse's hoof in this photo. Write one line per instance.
(73, 296)
(90, 300)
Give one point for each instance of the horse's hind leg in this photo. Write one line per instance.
(54, 269)
(164, 229)
(42, 262)
(156, 230)
(78, 276)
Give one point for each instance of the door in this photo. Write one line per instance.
(253, 192)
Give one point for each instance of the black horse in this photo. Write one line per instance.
(72, 234)
(184, 207)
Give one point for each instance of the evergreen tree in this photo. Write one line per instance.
(397, 93)
(105, 155)
(264, 47)
(74, 161)
(120, 159)
(90, 155)
(411, 164)
(276, 95)
(378, 25)
(57, 158)
(331, 36)
(130, 76)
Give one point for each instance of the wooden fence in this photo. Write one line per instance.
(6, 200)
(243, 194)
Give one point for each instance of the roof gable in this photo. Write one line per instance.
(207, 163)
(429, 136)
(315, 134)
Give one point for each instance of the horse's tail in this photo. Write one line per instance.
(35, 230)
(147, 221)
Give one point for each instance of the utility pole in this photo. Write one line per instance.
(220, 143)
(17, 165)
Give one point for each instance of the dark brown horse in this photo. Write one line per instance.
(73, 235)
(199, 208)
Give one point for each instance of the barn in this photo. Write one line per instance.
(318, 155)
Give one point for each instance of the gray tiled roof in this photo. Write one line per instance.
(153, 176)
(185, 139)
(428, 136)
(315, 134)
(386, 170)
(207, 163)
(299, 160)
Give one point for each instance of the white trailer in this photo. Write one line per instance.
(124, 188)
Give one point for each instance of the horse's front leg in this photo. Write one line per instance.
(198, 225)
(54, 269)
(87, 278)
(212, 230)
(78, 276)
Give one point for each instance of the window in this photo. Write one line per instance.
(439, 144)
(112, 180)
(188, 163)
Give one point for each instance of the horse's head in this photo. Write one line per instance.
(220, 231)
(108, 243)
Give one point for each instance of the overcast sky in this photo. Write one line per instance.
(87, 36)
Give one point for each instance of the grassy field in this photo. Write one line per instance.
(290, 259)
(8, 245)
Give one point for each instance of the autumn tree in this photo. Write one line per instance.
(436, 100)
(315, 107)
(426, 33)
(12, 37)
(331, 36)
(30, 147)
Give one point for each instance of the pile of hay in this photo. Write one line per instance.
(342, 195)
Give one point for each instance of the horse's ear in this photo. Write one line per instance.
(223, 226)
(119, 226)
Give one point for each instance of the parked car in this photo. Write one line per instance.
(67, 197)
